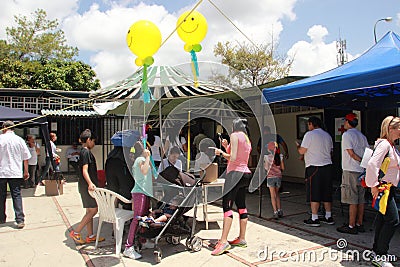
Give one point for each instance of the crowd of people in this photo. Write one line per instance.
(130, 172)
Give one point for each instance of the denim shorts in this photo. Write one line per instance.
(274, 182)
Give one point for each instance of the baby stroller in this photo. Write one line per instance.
(177, 226)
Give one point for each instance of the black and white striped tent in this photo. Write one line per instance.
(164, 82)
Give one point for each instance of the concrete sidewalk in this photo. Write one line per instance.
(45, 242)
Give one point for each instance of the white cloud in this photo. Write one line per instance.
(55, 9)
(313, 57)
(104, 32)
(101, 30)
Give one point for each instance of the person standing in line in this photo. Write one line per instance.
(87, 182)
(317, 148)
(352, 193)
(238, 177)
(56, 157)
(385, 225)
(32, 162)
(141, 194)
(273, 164)
(13, 168)
(267, 137)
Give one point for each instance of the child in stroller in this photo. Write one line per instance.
(159, 217)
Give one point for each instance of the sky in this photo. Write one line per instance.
(303, 30)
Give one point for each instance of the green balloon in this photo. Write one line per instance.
(148, 61)
(197, 47)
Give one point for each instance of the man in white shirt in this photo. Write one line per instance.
(317, 148)
(352, 193)
(13, 169)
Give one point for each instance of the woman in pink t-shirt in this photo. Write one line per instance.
(237, 178)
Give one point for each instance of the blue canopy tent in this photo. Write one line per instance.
(370, 81)
(25, 119)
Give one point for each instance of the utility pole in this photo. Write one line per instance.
(341, 51)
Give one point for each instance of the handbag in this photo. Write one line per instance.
(380, 202)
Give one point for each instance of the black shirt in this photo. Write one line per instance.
(86, 157)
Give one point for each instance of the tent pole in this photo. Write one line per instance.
(261, 169)
(161, 133)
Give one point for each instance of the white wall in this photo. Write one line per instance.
(286, 126)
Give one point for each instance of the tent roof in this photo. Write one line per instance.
(163, 81)
(368, 81)
(18, 115)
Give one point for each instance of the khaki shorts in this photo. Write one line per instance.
(351, 189)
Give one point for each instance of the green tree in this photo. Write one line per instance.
(36, 56)
(38, 39)
(258, 65)
(67, 76)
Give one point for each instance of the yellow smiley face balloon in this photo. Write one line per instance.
(143, 39)
(192, 28)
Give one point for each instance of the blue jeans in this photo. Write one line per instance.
(46, 169)
(385, 226)
(15, 188)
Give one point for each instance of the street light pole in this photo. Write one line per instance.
(388, 19)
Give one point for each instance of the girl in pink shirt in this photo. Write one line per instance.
(273, 164)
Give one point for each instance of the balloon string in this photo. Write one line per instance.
(145, 85)
(194, 60)
(195, 68)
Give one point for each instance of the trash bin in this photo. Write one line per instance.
(101, 176)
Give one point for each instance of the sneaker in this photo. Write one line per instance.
(377, 261)
(327, 221)
(93, 239)
(77, 237)
(360, 228)
(280, 213)
(20, 225)
(131, 253)
(276, 215)
(311, 222)
(220, 248)
(238, 243)
(347, 230)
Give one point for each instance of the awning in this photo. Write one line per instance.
(164, 82)
(70, 113)
(370, 81)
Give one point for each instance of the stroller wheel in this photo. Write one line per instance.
(196, 243)
(138, 248)
(189, 243)
(169, 239)
(176, 240)
(157, 255)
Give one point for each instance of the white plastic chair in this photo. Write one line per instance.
(106, 201)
